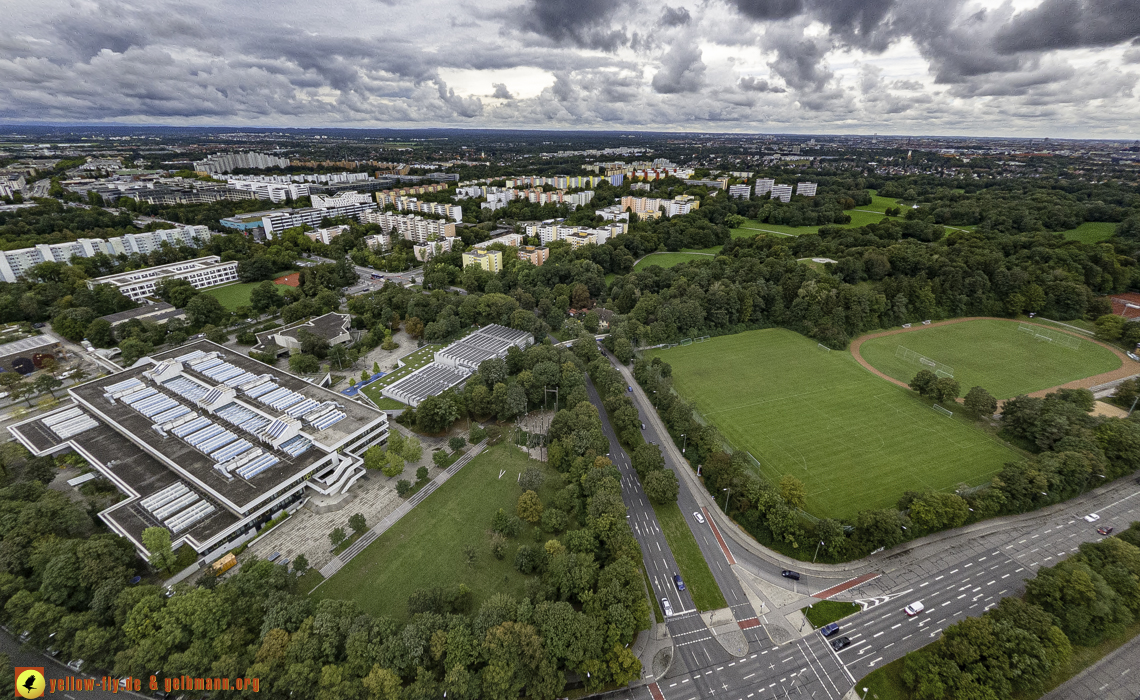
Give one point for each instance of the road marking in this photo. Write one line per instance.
(879, 634)
(924, 584)
(940, 578)
(897, 626)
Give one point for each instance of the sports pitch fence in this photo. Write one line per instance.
(940, 369)
(1065, 340)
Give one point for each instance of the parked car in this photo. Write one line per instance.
(678, 582)
(788, 573)
(643, 426)
(841, 643)
(25, 636)
(629, 388)
(1104, 530)
(914, 609)
(698, 517)
(1092, 517)
(829, 629)
(75, 664)
(668, 608)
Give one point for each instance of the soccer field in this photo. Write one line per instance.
(854, 440)
(992, 354)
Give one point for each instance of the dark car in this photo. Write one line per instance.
(629, 389)
(1104, 530)
(841, 643)
(829, 629)
(678, 582)
(788, 573)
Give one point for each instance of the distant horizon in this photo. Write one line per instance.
(515, 129)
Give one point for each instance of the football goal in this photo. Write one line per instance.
(823, 347)
(939, 369)
(944, 411)
(1042, 334)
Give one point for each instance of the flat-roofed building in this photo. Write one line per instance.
(208, 443)
(807, 189)
(489, 260)
(782, 193)
(740, 191)
(159, 312)
(208, 271)
(535, 255)
(332, 327)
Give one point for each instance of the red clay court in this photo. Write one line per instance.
(1120, 304)
(292, 280)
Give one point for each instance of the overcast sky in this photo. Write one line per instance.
(1060, 68)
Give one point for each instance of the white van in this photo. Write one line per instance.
(914, 609)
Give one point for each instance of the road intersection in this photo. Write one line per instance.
(955, 574)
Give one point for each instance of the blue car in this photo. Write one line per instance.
(829, 629)
(679, 583)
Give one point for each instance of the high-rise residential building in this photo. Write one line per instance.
(489, 260)
(325, 235)
(410, 227)
(739, 191)
(782, 192)
(14, 263)
(208, 271)
(275, 222)
(648, 207)
(275, 192)
(342, 199)
(429, 249)
(764, 186)
(807, 189)
(535, 255)
(225, 162)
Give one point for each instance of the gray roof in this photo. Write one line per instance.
(147, 310)
(23, 345)
(328, 326)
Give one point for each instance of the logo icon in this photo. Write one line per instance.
(30, 682)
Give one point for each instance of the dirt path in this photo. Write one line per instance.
(1127, 367)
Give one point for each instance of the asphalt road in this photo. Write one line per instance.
(28, 655)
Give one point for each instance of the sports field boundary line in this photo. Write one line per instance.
(768, 230)
(1125, 370)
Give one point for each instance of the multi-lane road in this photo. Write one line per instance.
(959, 574)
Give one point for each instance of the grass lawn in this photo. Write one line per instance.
(884, 683)
(1091, 232)
(992, 354)
(826, 611)
(425, 548)
(668, 259)
(855, 441)
(232, 295)
(412, 362)
(860, 216)
(694, 569)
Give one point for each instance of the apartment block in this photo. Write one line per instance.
(275, 222)
(410, 227)
(225, 162)
(764, 186)
(648, 207)
(807, 189)
(428, 250)
(380, 242)
(490, 260)
(325, 235)
(208, 271)
(343, 199)
(273, 191)
(535, 255)
(739, 191)
(782, 193)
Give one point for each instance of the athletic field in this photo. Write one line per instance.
(992, 354)
(856, 441)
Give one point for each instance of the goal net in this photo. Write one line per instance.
(821, 346)
(1042, 334)
(908, 355)
(943, 411)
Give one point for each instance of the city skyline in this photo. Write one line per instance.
(1015, 69)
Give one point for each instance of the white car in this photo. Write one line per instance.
(667, 607)
(914, 609)
(698, 517)
(1092, 517)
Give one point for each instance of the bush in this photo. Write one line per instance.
(456, 444)
(422, 474)
(246, 338)
(477, 434)
(530, 507)
(439, 458)
(498, 545)
(527, 559)
(532, 479)
(403, 486)
(337, 536)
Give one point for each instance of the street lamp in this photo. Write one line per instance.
(864, 694)
(816, 551)
(726, 499)
(686, 442)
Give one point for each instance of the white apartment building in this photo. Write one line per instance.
(225, 162)
(451, 211)
(782, 193)
(380, 241)
(276, 222)
(739, 191)
(429, 249)
(763, 187)
(326, 178)
(498, 200)
(343, 199)
(510, 239)
(614, 212)
(807, 189)
(14, 263)
(208, 271)
(325, 235)
(409, 226)
(273, 191)
(654, 208)
(549, 231)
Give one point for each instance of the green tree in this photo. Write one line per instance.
(529, 507)
(48, 383)
(498, 545)
(403, 486)
(793, 491)
(981, 401)
(72, 323)
(358, 523)
(412, 450)
(99, 333)
(175, 291)
(264, 297)
(422, 474)
(304, 364)
(375, 457)
(646, 458)
(205, 310)
(924, 382)
(337, 536)
(435, 414)
(456, 444)
(1110, 327)
(300, 563)
(661, 486)
(157, 543)
(395, 466)
(939, 511)
(946, 390)
(532, 479)
(439, 458)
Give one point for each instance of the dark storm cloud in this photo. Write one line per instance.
(764, 10)
(752, 84)
(584, 23)
(675, 16)
(1068, 24)
(682, 70)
